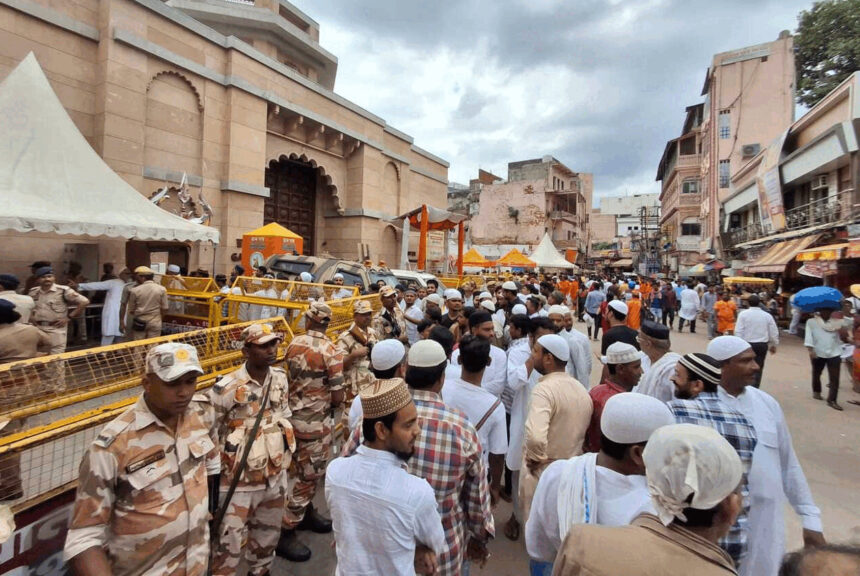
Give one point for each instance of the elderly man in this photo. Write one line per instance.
(579, 364)
(389, 322)
(147, 303)
(402, 529)
(252, 518)
(341, 291)
(111, 321)
(24, 304)
(775, 474)
(51, 311)
(607, 488)
(759, 329)
(624, 366)
(142, 504)
(696, 379)
(558, 416)
(656, 379)
(315, 369)
(693, 474)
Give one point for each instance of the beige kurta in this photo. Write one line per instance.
(645, 548)
(558, 417)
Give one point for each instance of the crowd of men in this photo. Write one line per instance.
(450, 401)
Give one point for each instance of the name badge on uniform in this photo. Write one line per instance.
(135, 466)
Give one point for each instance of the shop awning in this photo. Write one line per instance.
(823, 253)
(775, 258)
(51, 180)
(623, 263)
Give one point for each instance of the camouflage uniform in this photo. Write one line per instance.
(253, 519)
(358, 375)
(315, 370)
(383, 326)
(142, 494)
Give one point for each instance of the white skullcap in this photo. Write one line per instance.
(685, 459)
(434, 298)
(621, 353)
(619, 307)
(566, 311)
(306, 277)
(387, 354)
(556, 309)
(173, 268)
(509, 286)
(338, 276)
(725, 347)
(484, 295)
(488, 305)
(519, 309)
(426, 354)
(555, 345)
(631, 418)
(452, 294)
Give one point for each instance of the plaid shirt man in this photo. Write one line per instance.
(706, 409)
(448, 455)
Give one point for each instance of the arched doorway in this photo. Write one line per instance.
(291, 203)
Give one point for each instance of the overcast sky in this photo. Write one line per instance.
(599, 84)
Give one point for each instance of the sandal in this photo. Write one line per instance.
(512, 529)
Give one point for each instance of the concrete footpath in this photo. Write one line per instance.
(827, 443)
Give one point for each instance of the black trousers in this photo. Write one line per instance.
(833, 366)
(692, 325)
(508, 472)
(668, 314)
(760, 349)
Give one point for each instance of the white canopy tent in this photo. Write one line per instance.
(51, 180)
(546, 255)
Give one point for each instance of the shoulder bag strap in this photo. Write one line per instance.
(489, 412)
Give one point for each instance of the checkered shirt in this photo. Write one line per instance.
(448, 455)
(707, 410)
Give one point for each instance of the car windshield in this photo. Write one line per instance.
(291, 266)
(387, 277)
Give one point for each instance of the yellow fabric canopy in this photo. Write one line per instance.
(273, 230)
(474, 258)
(746, 280)
(515, 259)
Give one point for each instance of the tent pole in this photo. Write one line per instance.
(460, 234)
(404, 246)
(422, 240)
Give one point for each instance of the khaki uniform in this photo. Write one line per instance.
(23, 304)
(53, 305)
(146, 302)
(315, 370)
(253, 519)
(142, 494)
(384, 327)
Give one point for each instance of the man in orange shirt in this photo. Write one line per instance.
(634, 314)
(726, 312)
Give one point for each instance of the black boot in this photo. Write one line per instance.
(314, 521)
(290, 548)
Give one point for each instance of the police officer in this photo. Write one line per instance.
(142, 505)
(147, 302)
(23, 303)
(315, 369)
(51, 313)
(389, 322)
(355, 345)
(252, 521)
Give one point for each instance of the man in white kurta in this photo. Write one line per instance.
(606, 488)
(775, 474)
(656, 379)
(690, 307)
(113, 299)
(496, 374)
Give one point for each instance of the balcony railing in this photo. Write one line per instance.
(690, 199)
(835, 210)
(563, 215)
(689, 160)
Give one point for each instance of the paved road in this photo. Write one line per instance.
(826, 442)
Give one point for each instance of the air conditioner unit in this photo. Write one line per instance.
(819, 182)
(749, 150)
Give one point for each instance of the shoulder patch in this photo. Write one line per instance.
(222, 382)
(113, 429)
(200, 397)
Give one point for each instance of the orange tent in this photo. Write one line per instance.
(515, 259)
(474, 259)
(258, 245)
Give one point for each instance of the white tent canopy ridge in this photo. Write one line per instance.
(546, 255)
(51, 180)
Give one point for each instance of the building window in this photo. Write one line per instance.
(690, 187)
(725, 124)
(724, 174)
(691, 229)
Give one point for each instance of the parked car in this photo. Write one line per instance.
(419, 278)
(324, 269)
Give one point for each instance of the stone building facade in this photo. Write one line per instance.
(238, 96)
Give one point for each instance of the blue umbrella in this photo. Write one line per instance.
(811, 299)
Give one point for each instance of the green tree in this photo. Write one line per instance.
(827, 44)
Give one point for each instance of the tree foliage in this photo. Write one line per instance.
(827, 44)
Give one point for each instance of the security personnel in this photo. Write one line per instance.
(142, 505)
(315, 369)
(147, 303)
(23, 304)
(355, 345)
(51, 313)
(389, 322)
(252, 521)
